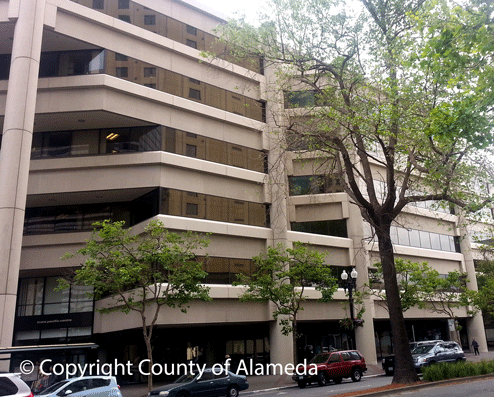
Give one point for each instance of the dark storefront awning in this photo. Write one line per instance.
(20, 349)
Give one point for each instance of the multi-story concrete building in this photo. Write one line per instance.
(110, 111)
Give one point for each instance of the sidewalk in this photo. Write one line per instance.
(257, 383)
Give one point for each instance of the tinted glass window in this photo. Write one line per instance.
(329, 228)
(79, 386)
(207, 376)
(355, 356)
(320, 358)
(335, 358)
(98, 4)
(149, 19)
(100, 382)
(123, 4)
(346, 356)
(7, 387)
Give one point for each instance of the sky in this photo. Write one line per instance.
(228, 7)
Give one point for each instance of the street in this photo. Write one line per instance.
(315, 391)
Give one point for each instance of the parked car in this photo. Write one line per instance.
(11, 385)
(95, 386)
(333, 366)
(388, 362)
(206, 384)
(432, 353)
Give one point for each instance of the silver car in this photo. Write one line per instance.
(11, 385)
(431, 353)
(95, 386)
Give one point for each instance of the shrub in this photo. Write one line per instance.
(442, 371)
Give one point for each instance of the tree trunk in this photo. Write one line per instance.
(147, 340)
(294, 336)
(404, 371)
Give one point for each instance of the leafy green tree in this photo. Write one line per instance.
(142, 272)
(410, 276)
(484, 297)
(425, 288)
(281, 277)
(401, 116)
(443, 295)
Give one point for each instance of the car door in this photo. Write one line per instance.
(221, 383)
(204, 386)
(334, 366)
(440, 353)
(100, 387)
(346, 364)
(77, 388)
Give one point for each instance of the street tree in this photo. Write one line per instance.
(424, 287)
(282, 276)
(143, 273)
(484, 297)
(401, 116)
(445, 294)
(410, 276)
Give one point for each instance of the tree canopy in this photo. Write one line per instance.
(144, 272)
(282, 276)
(402, 106)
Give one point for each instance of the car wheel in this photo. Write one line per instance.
(322, 379)
(233, 391)
(356, 374)
(337, 380)
(459, 360)
(389, 372)
(302, 384)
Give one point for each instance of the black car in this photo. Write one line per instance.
(206, 384)
(388, 362)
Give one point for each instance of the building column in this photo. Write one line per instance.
(15, 154)
(359, 257)
(281, 346)
(475, 324)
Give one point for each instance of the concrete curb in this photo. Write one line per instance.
(421, 386)
(287, 387)
(386, 392)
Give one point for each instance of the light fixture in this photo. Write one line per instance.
(354, 274)
(112, 136)
(344, 275)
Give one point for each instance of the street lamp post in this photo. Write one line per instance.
(350, 284)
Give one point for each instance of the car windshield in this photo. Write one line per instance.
(53, 387)
(423, 349)
(186, 378)
(319, 359)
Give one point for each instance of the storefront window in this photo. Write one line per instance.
(39, 296)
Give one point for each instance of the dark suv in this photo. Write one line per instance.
(333, 366)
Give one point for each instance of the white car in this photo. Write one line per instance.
(94, 386)
(11, 385)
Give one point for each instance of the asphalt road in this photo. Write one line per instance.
(315, 391)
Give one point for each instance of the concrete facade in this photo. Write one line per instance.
(188, 136)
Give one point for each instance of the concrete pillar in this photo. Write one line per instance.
(475, 324)
(359, 257)
(281, 346)
(15, 155)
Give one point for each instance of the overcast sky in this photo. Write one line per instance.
(228, 7)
